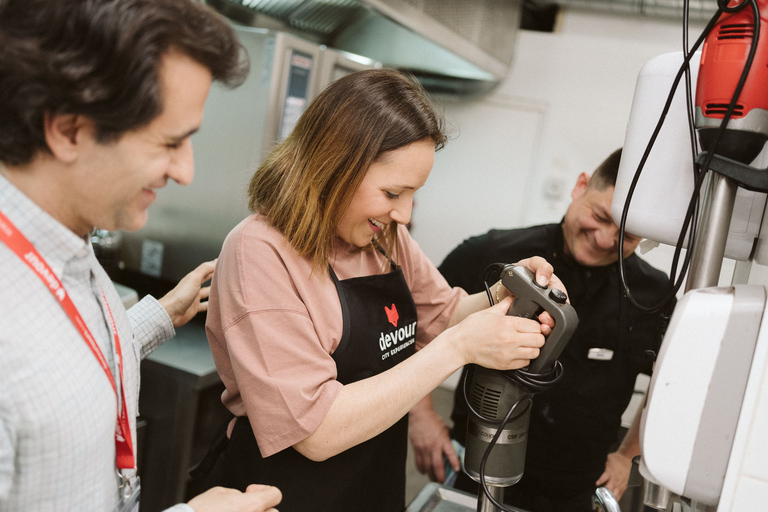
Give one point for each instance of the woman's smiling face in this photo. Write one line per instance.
(386, 193)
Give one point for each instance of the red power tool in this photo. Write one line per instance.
(724, 55)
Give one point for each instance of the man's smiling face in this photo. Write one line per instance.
(590, 233)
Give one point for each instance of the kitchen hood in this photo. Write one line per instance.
(450, 45)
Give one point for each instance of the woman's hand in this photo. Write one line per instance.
(545, 276)
(494, 340)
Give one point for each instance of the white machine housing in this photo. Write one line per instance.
(661, 197)
(704, 418)
(704, 430)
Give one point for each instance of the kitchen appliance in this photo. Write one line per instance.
(500, 401)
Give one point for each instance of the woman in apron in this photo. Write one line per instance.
(327, 322)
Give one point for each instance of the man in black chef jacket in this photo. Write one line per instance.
(575, 424)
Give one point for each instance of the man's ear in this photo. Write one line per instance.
(61, 134)
(581, 185)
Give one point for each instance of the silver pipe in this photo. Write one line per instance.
(656, 496)
(605, 499)
(709, 248)
(698, 507)
(484, 504)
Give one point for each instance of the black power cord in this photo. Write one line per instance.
(532, 384)
(700, 171)
(487, 452)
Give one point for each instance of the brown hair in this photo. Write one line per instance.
(99, 59)
(308, 181)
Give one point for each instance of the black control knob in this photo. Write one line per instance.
(558, 296)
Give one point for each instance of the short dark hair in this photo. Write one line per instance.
(306, 184)
(605, 174)
(99, 59)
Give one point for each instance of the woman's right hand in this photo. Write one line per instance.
(494, 340)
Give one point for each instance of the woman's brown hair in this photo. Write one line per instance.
(307, 182)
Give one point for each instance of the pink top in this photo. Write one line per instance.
(272, 327)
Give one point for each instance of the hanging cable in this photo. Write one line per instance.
(700, 172)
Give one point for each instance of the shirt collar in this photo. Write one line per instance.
(56, 243)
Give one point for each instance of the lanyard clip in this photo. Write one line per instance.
(128, 479)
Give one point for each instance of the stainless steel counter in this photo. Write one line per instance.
(188, 352)
(434, 497)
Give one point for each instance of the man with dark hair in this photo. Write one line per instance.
(574, 424)
(98, 100)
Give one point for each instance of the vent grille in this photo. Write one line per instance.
(489, 24)
(485, 400)
(736, 31)
(457, 16)
(321, 17)
(495, 36)
(701, 10)
(325, 17)
(719, 109)
(277, 9)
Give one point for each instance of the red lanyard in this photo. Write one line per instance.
(19, 244)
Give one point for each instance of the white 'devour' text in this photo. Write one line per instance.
(392, 343)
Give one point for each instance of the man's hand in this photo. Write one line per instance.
(616, 474)
(188, 298)
(545, 276)
(256, 498)
(429, 436)
(618, 465)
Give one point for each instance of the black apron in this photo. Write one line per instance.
(379, 330)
